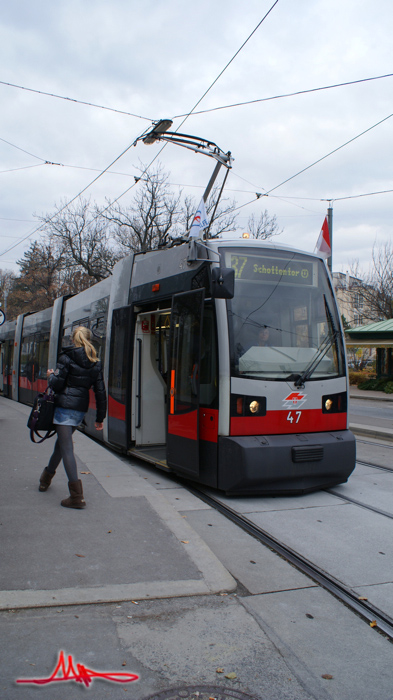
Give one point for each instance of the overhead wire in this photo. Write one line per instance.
(37, 229)
(71, 99)
(328, 154)
(288, 94)
(186, 116)
(356, 196)
(197, 103)
(24, 167)
(22, 149)
(229, 63)
(203, 111)
(193, 112)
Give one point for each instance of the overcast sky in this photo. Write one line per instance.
(155, 60)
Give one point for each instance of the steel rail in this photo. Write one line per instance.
(374, 466)
(375, 444)
(366, 506)
(370, 613)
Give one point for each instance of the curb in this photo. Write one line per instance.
(381, 433)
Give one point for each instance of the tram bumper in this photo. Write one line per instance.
(285, 464)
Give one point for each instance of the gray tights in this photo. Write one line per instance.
(64, 450)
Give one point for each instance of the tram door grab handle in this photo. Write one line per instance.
(172, 393)
(138, 394)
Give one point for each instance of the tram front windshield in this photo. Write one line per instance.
(283, 322)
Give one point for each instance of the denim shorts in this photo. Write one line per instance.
(66, 416)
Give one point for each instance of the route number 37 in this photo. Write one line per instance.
(294, 416)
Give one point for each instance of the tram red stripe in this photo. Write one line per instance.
(116, 409)
(36, 386)
(184, 425)
(277, 423)
(208, 424)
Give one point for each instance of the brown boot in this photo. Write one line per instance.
(45, 480)
(75, 499)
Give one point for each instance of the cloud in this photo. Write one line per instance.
(156, 60)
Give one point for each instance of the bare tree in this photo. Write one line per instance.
(84, 238)
(373, 290)
(151, 219)
(224, 217)
(263, 228)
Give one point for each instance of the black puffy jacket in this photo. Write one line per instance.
(75, 374)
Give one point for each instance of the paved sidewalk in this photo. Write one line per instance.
(356, 393)
(127, 543)
(149, 580)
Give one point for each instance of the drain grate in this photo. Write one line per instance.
(201, 692)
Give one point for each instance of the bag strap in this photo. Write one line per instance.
(51, 397)
(49, 434)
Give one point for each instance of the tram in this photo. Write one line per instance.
(224, 363)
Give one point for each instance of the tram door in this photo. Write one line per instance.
(184, 361)
(1, 368)
(148, 410)
(7, 352)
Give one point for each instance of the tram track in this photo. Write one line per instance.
(375, 444)
(370, 613)
(374, 466)
(366, 506)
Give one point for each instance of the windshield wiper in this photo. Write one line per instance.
(322, 350)
(318, 357)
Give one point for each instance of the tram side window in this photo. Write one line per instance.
(10, 361)
(66, 339)
(7, 351)
(162, 339)
(119, 358)
(28, 360)
(82, 322)
(208, 369)
(42, 344)
(98, 330)
(208, 374)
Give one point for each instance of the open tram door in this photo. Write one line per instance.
(184, 363)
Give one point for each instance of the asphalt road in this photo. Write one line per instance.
(371, 413)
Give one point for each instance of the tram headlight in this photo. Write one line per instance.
(335, 403)
(243, 406)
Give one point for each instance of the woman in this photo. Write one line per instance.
(78, 369)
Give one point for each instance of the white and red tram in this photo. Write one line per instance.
(224, 362)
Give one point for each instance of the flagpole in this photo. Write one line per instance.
(330, 224)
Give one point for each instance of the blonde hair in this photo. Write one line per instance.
(81, 337)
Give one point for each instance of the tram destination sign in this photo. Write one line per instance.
(260, 268)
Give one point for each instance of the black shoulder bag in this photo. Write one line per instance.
(41, 416)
